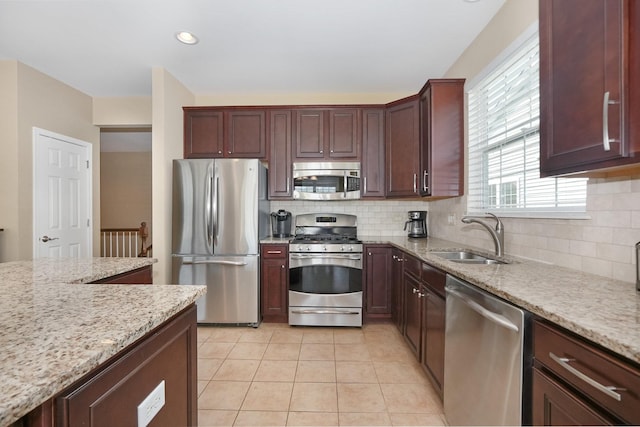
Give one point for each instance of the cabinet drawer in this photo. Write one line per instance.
(587, 366)
(412, 266)
(274, 251)
(434, 278)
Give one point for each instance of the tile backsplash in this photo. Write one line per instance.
(603, 244)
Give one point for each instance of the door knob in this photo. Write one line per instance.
(47, 238)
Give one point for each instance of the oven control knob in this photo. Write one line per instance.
(324, 248)
(308, 248)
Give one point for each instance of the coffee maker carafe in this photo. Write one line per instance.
(417, 224)
(281, 223)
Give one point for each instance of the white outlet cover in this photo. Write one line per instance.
(151, 405)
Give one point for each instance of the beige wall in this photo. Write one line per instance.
(601, 245)
(125, 189)
(131, 111)
(43, 102)
(169, 95)
(301, 98)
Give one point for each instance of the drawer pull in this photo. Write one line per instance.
(608, 390)
(274, 252)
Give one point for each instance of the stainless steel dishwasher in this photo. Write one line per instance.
(487, 358)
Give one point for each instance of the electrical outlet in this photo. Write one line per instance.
(451, 219)
(151, 405)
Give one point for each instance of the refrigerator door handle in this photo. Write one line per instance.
(209, 215)
(216, 207)
(213, 261)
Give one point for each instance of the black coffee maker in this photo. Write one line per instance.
(281, 223)
(417, 224)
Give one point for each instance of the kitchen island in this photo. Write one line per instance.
(57, 332)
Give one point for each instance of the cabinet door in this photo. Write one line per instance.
(412, 313)
(554, 405)
(203, 133)
(442, 138)
(378, 281)
(309, 134)
(402, 149)
(433, 337)
(280, 134)
(274, 283)
(397, 311)
(372, 154)
(583, 47)
(344, 133)
(246, 134)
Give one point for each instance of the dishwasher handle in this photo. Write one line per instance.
(487, 314)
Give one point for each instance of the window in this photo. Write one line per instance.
(504, 144)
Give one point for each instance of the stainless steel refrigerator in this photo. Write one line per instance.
(220, 212)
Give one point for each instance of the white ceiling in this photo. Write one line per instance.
(108, 47)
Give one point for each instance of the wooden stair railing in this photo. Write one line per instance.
(125, 242)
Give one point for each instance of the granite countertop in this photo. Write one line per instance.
(602, 310)
(54, 333)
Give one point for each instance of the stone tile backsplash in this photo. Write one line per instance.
(602, 244)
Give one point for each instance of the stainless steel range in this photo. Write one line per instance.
(325, 271)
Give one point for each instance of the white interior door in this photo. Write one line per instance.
(61, 196)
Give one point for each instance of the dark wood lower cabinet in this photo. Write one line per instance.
(433, 337)
(397, 273)
(412, 313)
(377, 270)
(274, 283)
(110, 395)
(554, 405)
(140, 276)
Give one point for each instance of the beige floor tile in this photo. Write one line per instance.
(262, 335)
(355, 372)
(201, 386)
(385, 352)
(211, 417)
(237, 370)
(276, 370)
(364, 419)
(204, 333)
(268, 396)
(227, 334)
(360, 398)
(417, 419)
(282, 351)
(317, 352)
(227, 395)
(348, 336)
(316, 371)
(247, 350)
(215, 350)
(352, 352)
(261, 418)
(314, 397)
(286, 336)
(410, 399)
(208, 367)
(399, 372)
(312, 419)
(317, 336)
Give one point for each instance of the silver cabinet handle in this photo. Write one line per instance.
(605, 122)
(365, 185)
(323, 312)
(274, 252)
(608, 390)
(45, 239)
(425, 187)
(213, 261)
(487, 314)
(288, 184)
(415, 182)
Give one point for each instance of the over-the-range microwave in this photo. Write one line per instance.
(326, 180)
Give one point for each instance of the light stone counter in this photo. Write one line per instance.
(602, 310)
(52, 334)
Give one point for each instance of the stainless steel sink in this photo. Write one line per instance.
(466, 257)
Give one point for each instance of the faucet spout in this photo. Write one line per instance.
(497, 234)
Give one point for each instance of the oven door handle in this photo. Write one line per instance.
(355, 257)
(316, 311)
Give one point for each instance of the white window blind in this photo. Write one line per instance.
(504, 144)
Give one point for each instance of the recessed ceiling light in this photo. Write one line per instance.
(186, 37)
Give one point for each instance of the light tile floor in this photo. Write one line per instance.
(277, 375)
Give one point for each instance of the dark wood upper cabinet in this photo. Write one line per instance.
(203, 133)
(588, 95)
(442, 138)
(246, 134)
(372, 167)
(332, 133)
(280, 136)
(402, 148)
(213, 132)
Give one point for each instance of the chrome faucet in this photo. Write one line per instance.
(497, 235)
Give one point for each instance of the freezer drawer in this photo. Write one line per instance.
(232, 287)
